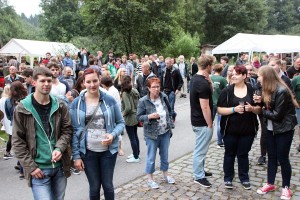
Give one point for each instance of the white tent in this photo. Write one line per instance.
(32, 48)
(250, 43)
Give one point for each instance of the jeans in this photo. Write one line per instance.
(162, 142)
(220, 136)
(134, 140)
(263, 136)
(279, 146)
(172, 98)
(52, 186)
(99, 169)
(237, 146)
(203, 138)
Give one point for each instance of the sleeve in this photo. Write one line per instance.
(222, 100)
(19, 143)
(204, 92)
(278, 112)
(141, 113)
(75, 139)
(66, 129)
(119, 121)
(126, 104)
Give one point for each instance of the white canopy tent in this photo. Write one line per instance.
(32, 48)
(250, 43)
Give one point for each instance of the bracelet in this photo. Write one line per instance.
(232, 109)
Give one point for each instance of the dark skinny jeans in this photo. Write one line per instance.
(134, 140)
(278, 147)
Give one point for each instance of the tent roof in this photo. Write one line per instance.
(36, 48)
(242, 42)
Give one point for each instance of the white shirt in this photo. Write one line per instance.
(7, 126)
(112, 91)
(58, 89)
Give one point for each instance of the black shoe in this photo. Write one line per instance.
(298, 149)
(203, 182)
(228, 185)
(17, 167)
(261, 160)
(207, 174)
(21, 176)
(246, 185)
(7, 156)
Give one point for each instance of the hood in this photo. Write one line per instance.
(134, 93)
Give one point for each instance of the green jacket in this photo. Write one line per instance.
(32, 147)
(129, 106)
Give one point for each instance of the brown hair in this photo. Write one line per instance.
(107, 81)
(271, 81)
(152, 80)
(41, 71)
(205, 60)
(126, 85)
(17, 91)
(218, 68)
(89, 71)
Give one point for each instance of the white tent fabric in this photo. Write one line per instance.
(242, 42)
(32, 48)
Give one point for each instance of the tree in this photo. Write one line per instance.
(282, 15)
(183, 44)
(139, 26)
(61, 20)
(10, 23)
(223, 19)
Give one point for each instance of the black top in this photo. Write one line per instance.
(238, 124)
(168, 81)
(44, 113)
(291, 71)
(200, 88)
(194, 69)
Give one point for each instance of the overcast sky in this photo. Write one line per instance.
(28, 7)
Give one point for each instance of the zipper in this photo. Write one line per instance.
(49, 142)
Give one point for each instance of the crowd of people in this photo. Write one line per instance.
(68, 115)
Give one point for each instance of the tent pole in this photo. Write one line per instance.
(31, 61)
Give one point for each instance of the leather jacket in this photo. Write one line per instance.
(281, 112)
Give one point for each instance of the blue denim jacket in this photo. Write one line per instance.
(146, 107)
(114, 122)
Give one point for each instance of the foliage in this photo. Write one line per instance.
(223, 19)
(61, 20)
(183, 44)
(135, 25)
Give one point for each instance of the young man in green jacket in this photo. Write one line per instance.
(42, 133)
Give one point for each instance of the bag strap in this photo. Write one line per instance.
(86, 127)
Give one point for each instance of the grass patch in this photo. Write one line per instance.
(3, 136)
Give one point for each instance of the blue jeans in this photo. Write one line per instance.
(237, 146)
(99, 170)
(162, 142)
(278, 147)
(203, 137)
(52, 186)
(172, 98)
(220, 136)
(134, 140)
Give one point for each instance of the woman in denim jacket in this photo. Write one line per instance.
(97, 122)
(155, 112)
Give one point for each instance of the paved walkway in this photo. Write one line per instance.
(185, 188)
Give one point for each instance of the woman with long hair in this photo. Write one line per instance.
(78, 87)
(238, 125)
(279, 112)
(7, 125)
(17, 93)
(117, 82)
(130, 99)
(97, 122)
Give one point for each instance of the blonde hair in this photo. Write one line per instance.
(270, 82)
(6, 91)
(118, 76)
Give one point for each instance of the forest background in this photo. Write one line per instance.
(165, 27)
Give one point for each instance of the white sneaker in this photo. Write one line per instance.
(130, 156)
(152, 184)
(133, 160)
(169, 179)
